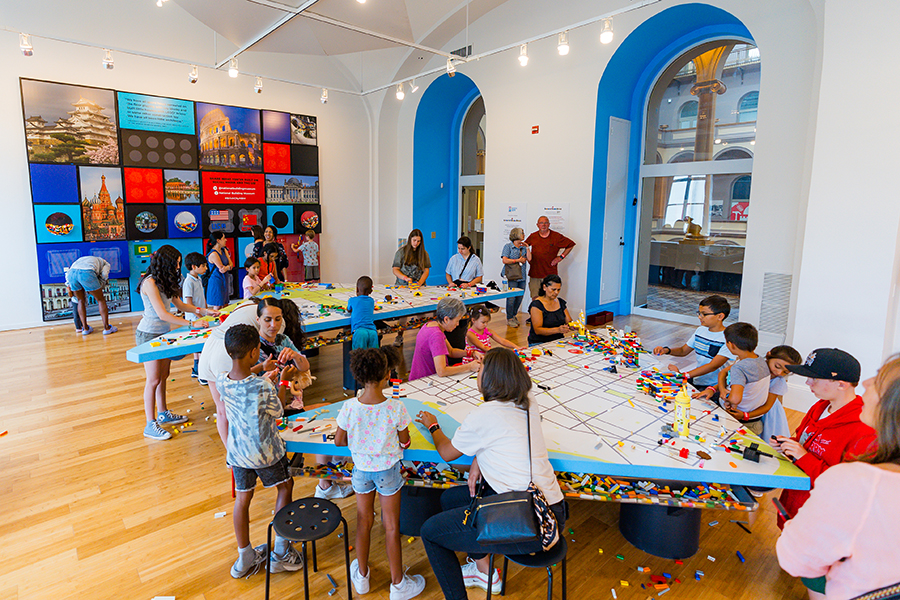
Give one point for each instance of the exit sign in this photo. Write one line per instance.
(535, 129)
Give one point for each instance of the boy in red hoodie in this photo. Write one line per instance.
(831, 431)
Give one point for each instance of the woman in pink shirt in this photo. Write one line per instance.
(432, 347)
(848, 529)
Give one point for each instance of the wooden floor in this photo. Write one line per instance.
(91, 509)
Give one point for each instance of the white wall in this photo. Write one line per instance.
(850, 234)
(344, 154)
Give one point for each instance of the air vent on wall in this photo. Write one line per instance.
(776, 301)
(465, 51)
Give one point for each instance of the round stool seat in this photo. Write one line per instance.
(542, 559)
(307, 519)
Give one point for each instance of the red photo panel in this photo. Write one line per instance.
(143, 185)
(233, 188)
(277, 158)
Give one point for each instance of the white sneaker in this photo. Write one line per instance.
(410, 587)
(360, 581)
(245, 569)
(291, 561)
(472, 577)
(512, 323)
(756, 493)
(337, 490)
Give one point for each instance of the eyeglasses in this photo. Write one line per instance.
(703, 314)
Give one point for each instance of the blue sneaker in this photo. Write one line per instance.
(155, 432)
(170, 418)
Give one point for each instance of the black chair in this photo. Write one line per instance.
(308, 520)
(546, 560)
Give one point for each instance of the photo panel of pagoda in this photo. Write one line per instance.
(232, 188)
(276, 128)
(146, 221)
(292, 189)
(143, 185)
(54, 184)
(55, 259)
(184, 221)
(181, 187)
(160, 150)
(305, 160)
(308, 217)
(281, 217)
(303, 130)
(230, 138)
(155, 113)
(57, 223)
(102, 206)
(69, 123)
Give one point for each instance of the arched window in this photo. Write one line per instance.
(687, 116)
(747, 107)
(676, 262)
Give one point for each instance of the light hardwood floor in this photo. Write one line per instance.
(91, 509)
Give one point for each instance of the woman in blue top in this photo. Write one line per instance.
(219, 265)
(464, 269)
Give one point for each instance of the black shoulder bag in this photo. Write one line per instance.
(514, 517)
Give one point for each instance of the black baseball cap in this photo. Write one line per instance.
(829, 363)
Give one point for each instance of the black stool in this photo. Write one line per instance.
(308, 520)
(546, 559)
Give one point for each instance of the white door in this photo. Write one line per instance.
(614, 220)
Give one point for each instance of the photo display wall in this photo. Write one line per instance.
(116, 174)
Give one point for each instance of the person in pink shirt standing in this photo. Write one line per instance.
(548, 249)
(847, 530)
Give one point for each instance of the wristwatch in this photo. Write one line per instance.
(433, 427)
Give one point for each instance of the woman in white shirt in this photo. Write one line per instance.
(495, 433)
(464, 268)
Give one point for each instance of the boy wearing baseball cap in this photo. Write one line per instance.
(831, 431)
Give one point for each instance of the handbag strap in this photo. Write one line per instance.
(466, 264)
(528, 429)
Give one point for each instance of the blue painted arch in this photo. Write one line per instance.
(436, 156)
(623, 91)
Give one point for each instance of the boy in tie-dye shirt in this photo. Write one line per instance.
(252, 405)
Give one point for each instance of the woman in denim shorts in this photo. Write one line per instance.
(90, 274)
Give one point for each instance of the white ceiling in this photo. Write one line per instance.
(312, 42)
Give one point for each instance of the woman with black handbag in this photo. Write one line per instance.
(501, 434)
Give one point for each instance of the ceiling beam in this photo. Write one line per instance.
(291, 13)
(381, 36)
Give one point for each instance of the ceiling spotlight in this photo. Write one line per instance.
(108, 61)
(606, 34)
(523, 54)
(361, 1)
(25, 44)
(324, 97)
(413, 88)
(232, 68)
(194, 74)
(451, 68)
(400, 94)
(563, 46)
(258, 87)
(159, 3)
(718, 141)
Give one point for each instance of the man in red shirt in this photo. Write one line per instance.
(546, 249)
(831, 431)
